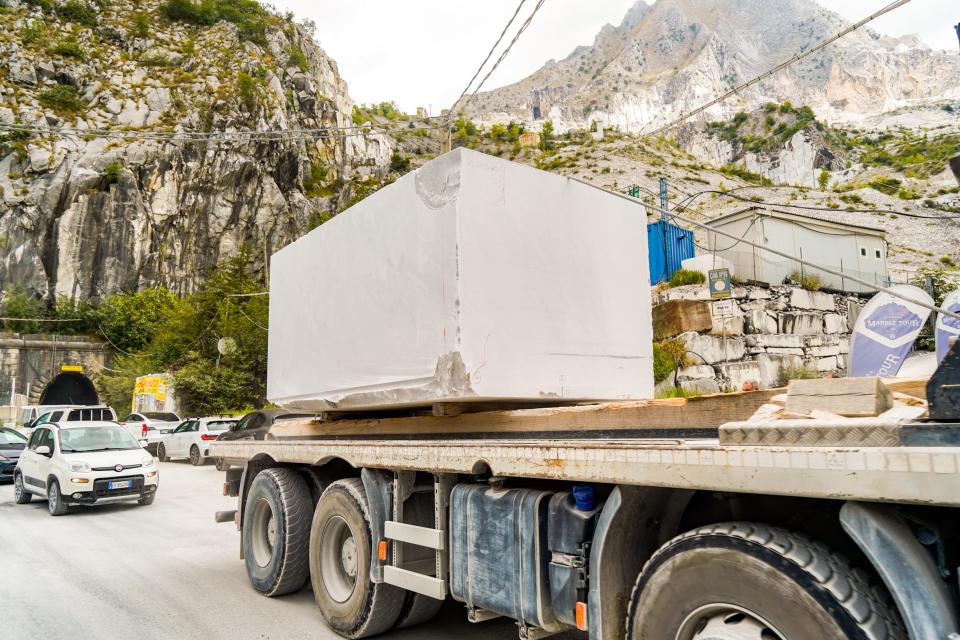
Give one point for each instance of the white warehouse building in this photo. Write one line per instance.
(852, 249)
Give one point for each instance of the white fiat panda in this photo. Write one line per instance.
(84, 463)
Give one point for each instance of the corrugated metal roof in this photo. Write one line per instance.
(790, 215)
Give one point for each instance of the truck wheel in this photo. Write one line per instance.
(20, 493)
(276, 531)
(417, 609)
(340, 547)
(747, 581)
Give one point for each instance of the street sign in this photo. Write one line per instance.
(724, 308)
(720, 284)
(71, 367)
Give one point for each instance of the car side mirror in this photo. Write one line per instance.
(43, 450)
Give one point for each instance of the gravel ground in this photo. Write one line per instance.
(162, 571)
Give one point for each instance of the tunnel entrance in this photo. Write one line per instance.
(70, 388)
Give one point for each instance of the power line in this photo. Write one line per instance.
(503, 55)
(205, 136)
(727, 194)
(777, 252)
(489, 54)
(780, 67)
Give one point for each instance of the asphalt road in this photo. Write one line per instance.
(162, 571)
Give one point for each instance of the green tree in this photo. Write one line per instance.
(129, 321)
(22, 311)
(546, 136)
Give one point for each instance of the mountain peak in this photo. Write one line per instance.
(672, 56)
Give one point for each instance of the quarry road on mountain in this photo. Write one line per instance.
(161, 571)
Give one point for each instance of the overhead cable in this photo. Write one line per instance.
(503, 55)
(780, 67)
(776, 252)
(489, 54)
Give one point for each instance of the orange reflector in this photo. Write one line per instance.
(582, 616)
(226, 488)
(382, 551)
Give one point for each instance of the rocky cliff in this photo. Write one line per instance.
(674, 55)
(86, 215)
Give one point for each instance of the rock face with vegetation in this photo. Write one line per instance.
(83, 216)
(670, 56)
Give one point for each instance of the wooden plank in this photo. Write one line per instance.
(866, 396)
(669, 414)
(916, 387)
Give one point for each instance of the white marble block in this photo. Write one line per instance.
(470, 279)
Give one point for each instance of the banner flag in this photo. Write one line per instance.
(886, 330)
(947, 327)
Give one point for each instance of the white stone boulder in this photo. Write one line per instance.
(470, 279)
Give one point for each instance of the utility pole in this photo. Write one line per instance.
(446, 143)
(663, 199)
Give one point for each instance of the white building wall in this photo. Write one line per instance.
(845, 249)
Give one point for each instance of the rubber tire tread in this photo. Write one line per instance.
(147, 500)
(61, 509)
(25, 496)
(867, 605)
(162, 453)
(297, 511)
(384, 605)
(417, 609)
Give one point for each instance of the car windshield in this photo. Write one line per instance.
(96, 439)
(220, 425)
(9, 436)
(162, 417)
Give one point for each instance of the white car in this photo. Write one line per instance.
(84, 463)
(191, 439)
(149, 427)
(74, 413)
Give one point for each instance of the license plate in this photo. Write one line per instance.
(119, 484)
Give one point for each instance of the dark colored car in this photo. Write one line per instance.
(255, 425)
(12, 444)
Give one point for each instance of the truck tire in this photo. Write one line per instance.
(276, 532)
(752, 581)
(340, 548)
(417, 609)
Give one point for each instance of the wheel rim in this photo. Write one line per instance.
(264, 532)
(194, 455)
(726, 622)
(339, 559)
(18, 487)
(161, 452)
(53, 497)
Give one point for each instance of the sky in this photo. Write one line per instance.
(421, 53)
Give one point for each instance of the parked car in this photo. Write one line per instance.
(191, 439)
(72, 413)
(12, 443)
(30, 413)
(255, 426)
(150, 426)
(84, 463)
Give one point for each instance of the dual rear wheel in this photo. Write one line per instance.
(287, 541)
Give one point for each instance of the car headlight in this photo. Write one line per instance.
(80, 466)
(147, 461)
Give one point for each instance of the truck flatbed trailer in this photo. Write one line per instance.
(856, 534)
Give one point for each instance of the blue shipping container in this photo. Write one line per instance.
(668, 246)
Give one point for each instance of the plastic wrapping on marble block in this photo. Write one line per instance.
(470, 279)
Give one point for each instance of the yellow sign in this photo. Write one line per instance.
(71, 367)
(155, 386)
